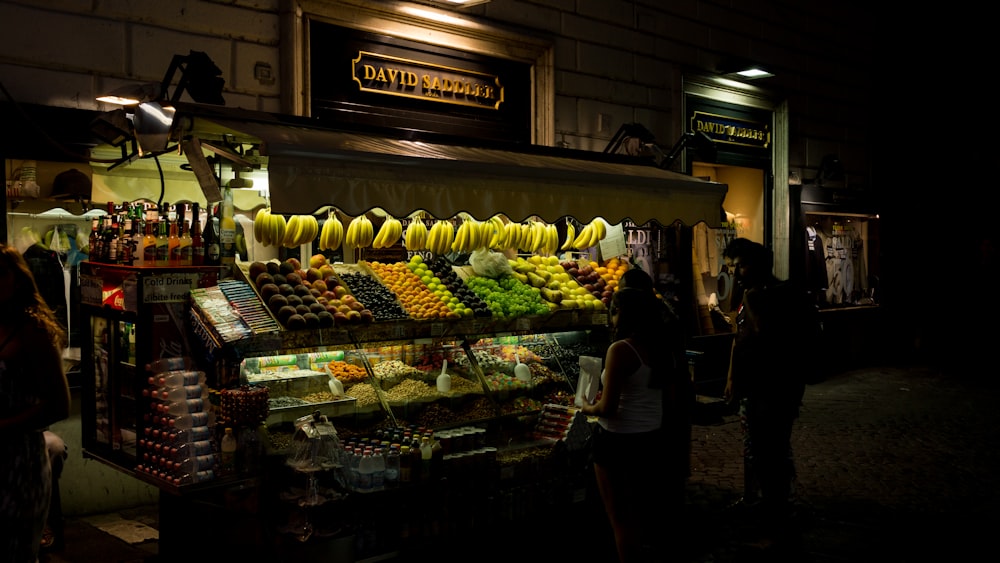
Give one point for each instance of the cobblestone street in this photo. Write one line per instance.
(894, 464)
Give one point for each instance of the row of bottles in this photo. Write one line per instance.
(374, 465)
(138, 234)
(179, 445)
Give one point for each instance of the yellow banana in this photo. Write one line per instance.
(278, 227)
(258, 224)
(583, 238)
(595, 232)
(310, 228)
(447, 237)
(602, 228)
(416, 235)
(496, 232)
(552, 240)
(570, 236)
(352, 232)
(366, 232)
(291, 232)
(337, 234)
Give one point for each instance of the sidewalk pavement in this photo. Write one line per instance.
(895, 464)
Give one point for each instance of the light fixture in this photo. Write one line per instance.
(742, 69)
(132, 94)
(754, 72)
(200, 78)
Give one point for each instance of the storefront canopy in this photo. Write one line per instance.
(309, 168)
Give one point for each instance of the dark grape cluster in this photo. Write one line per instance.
(377, 298)
(444, 272)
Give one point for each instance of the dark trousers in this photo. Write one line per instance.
(769, 432)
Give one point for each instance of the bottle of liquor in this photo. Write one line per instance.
(210, 236)
(197, 245)
(186, 251)
(174, 239)
(94, 243)
(227, 229)
(137, 233)
(163, 237)
(125, 250)
(148, 245)
(111, 235)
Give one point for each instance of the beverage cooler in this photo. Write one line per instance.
(133, 318)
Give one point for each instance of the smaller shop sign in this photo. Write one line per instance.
(731, 130)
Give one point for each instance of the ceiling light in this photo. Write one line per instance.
(754, 72)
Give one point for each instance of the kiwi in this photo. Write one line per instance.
(302, 290)
(293, 278)
(276, 302)
(317, 308)
(312, 320)
(286, 289)
(273, 268)
(263, 279)
(286, 268)
(296, 322)
(325, 319)
(302, 308)
(269, 290)
(285, 314)
(293, 299)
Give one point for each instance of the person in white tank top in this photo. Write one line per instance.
(629, 413)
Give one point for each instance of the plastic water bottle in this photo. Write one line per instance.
(392, 466)
(426, 457)
(178, 378)
(228, 448)
(366, 467)
(378, 474)
(191, 420)
(185, 406)
(181, 393)
(354, 478)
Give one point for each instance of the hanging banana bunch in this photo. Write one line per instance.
(300, 230)
(440, 237)
(592, 233)
(268, 228)
(360, 232)
(497, 232)
(332, 233)
(570, 236)
(389, 233)
(416, 234)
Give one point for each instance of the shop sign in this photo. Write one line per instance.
(169, 288)
(397, 76)
(731, 130)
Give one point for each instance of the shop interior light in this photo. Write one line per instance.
(754, 73)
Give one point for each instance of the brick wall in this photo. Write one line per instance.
(616, 61)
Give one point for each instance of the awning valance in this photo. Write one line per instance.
(310, 168)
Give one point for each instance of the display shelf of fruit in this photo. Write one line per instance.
(449, 279)
(422, 301)
(365, 285)
(507, 297)
(314, 297)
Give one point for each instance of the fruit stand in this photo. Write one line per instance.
(384, 310)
